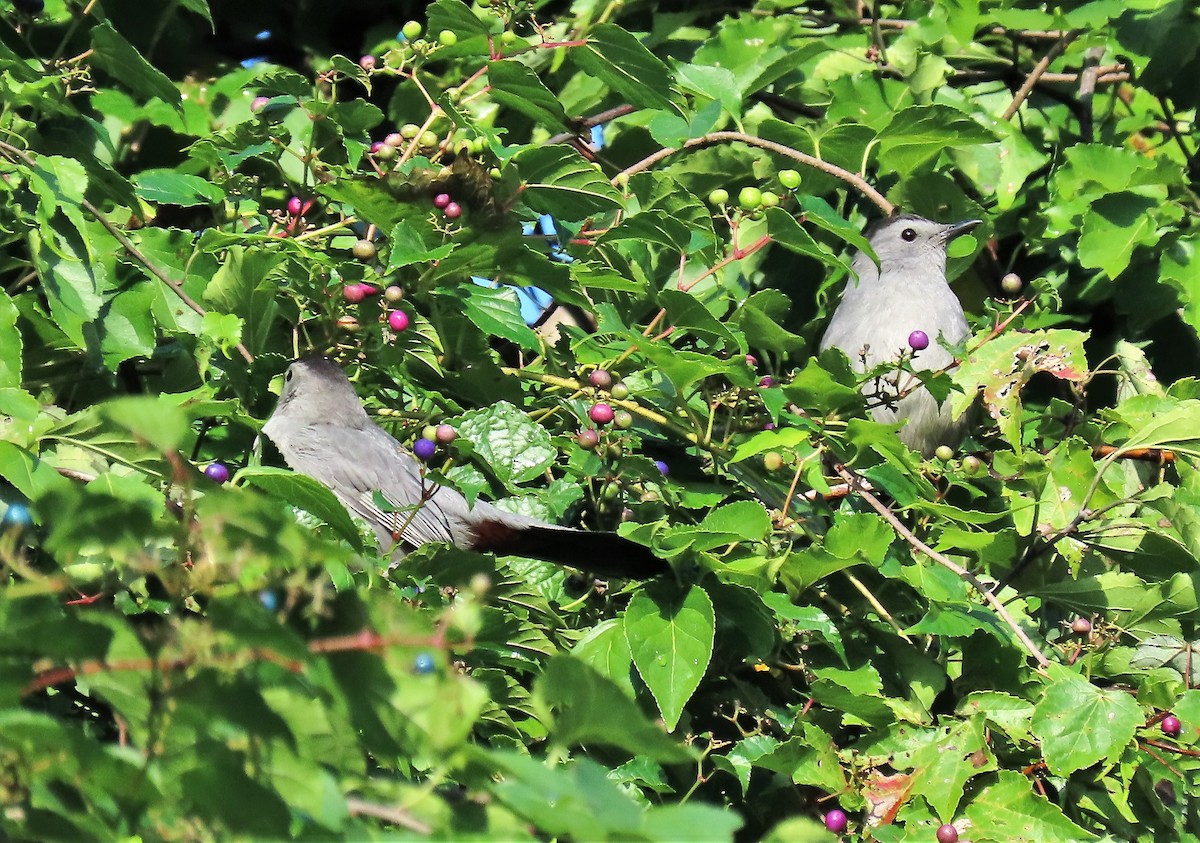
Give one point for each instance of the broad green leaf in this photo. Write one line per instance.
(160, 424)
(455, 16)
(496, 312)
(516, 86)
(10, 345)
(1113, 227)
(670, 632)
(304, 493)
(919, 133)
(619, 60)
(120, 60)
(1013, 812)
(168, 187)
(1080, 725)
(514, 448)
(589, 709)
(1149, 421)
(560, 181)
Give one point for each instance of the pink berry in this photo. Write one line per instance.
(1081, 626)
(600, 378)
(918, 340)
(1171, 726)
(836, 821)
(378, 145)
(367, 62)
(354, 293)
(947, 833)
(587, 439)
(445, 434)
(751, 360)
(453, 211)
(295, 206)
(601, 413)
(369, 289)
(394, 139)
(397, 320)
(441, 201)
(766, 381)
(259, 104)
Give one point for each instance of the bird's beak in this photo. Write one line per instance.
(956, 228)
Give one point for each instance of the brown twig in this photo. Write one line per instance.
(959, 571)
(714, 138)
(1087, 91)
(387, 813)
(1038, 69)
(1158, 455)
(128, 245)
(595, 120)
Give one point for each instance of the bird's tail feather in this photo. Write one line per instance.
(607, 554)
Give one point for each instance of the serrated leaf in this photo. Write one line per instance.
(516, 86)
(1113, 227)
(1080, 725)
(171, 188)
(514, 448)
(670, 633)
(916, 134)
(621, 62)
(560, 181)
(495, 311)
(1013, 812)
(120, 60)
(304, 493)
(407, 248)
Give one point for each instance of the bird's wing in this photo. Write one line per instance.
(357, 462)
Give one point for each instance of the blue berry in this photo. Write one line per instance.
(662, 467)
(17, 515)
(424, 449)
(269, 599)
(423, 663)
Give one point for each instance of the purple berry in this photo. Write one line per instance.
(217, 472)
(766, 381)
(947, 833)
(424, 449)
(295, 206)
(453, 211)
(445, 434)
(918, 340)
(769, 426)
(662, 467)
(441, 201)
(397, 320)
(354, 293)
(600, 378)
(587, 439)
(1081, 626)
(601, 413)
(836, 821)
(1171, 726)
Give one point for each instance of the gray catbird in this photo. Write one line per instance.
(879, 311)
(322, 430)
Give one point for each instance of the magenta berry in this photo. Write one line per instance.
(918, 340)
(354, 293)
(295, 206)
(441, 201)
(453, 211)
(601, 413)
(219, 473)
(836, 821)
(1171, 726)
(397, 320)
(378, 145)
(600, 379)
(766, 381)
(751, 360)
(947, 833)
(424, 449)
(445, 434)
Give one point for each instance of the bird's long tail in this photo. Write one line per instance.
(607, 554)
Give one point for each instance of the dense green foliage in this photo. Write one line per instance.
(990, 638)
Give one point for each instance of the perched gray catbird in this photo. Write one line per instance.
(879, 311)
(322, 430)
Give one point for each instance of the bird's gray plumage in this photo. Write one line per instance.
(322, 430)
(883, 304)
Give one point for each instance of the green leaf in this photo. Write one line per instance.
(117, 57)
(517, 87)
(495, 311)
(455, 16)
(919, 133)
(10, 345)
(619, 61)
(1080, 725)
(1013, 812)
(560, 181)
(514, 448)
(159, 423)
(589, 709)
(670, 632)
(171, 188)
(1113, 227)
(304, 493)
(1150, 421)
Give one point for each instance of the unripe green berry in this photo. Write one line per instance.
(409, 131)
(769, 199)
(944, 453)
(1011, 284)
(365, 250)
(428, 139)
(971, 465)
(623, 419)
(447, 38)
(619, 391)
(789, 179)
(772, 461)
(718, 197)
(411, 30)
(750, 198)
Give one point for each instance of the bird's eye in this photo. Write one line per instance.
(908, 234)
(288, 376)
